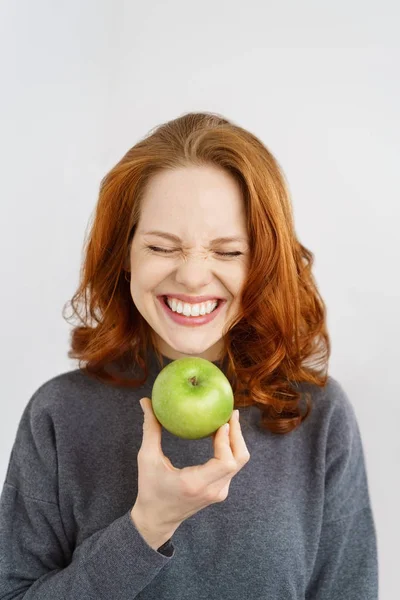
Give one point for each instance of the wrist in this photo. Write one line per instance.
(155, 535)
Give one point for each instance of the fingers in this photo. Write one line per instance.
(230, 452)
(222, 445)
(238, 445)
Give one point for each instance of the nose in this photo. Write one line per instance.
(194, 273)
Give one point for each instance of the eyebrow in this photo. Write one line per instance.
(175, 238)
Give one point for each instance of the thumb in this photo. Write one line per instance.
(151, 428)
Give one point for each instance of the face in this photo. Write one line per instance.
(197, 205)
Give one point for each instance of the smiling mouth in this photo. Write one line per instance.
(219, 302)
(191, 320)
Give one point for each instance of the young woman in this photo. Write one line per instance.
(192, 252)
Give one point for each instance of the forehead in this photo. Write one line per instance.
(194, 201)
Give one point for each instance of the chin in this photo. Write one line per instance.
(208, 352)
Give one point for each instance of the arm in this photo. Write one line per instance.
(346, 564)
(37, 558)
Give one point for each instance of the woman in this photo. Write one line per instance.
(277, 507)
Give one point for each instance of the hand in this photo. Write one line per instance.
(168, 495)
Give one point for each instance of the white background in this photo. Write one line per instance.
(83, 80)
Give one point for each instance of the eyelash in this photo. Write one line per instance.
(157, 249)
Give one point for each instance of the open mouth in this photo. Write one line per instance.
(176, 312)
(182, 319)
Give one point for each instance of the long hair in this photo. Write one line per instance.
(278, 339)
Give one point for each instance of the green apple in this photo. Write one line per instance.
(191, 397)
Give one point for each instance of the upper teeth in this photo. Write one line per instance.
(193, 310)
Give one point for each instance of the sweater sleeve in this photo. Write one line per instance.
(37, 561)
(346, 564)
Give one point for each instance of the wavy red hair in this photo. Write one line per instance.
(279, 338)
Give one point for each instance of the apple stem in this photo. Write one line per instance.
(193, 381)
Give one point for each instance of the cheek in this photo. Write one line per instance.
(148, 274)
(237, 280)
(237, 289)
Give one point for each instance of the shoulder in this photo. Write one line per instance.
(340, 409)
(66, 409)
(74, 403)
(74, 380)
(66, 396)
(50, 392)
(342, 452)
(332, 420)
(38, 412)
(331, 403)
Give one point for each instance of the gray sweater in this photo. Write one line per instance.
(297, 522)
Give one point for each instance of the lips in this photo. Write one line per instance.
(181, 319)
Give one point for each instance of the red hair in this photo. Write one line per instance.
(279, 338)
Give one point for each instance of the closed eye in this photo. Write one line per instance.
(157, 249)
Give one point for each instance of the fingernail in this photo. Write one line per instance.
(140, 402)
(236, 414)
(226, 427)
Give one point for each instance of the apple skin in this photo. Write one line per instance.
(191, 398)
